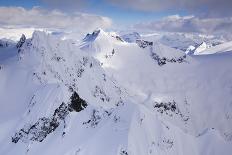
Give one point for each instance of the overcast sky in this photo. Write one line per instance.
(205, 16)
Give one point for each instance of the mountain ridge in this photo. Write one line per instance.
(107, 96)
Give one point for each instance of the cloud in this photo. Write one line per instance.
(211, 8)
(18, 17)
(67, 4)
(15, 34)
(176, 23)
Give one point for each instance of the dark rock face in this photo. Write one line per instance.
(21, 41)
(170, 108)
(144, 43)
(77, 104)
(123, 152)
(92, 37)
(166, 106)
(37, 131)
(119, 38)
(162, 61)
(44, 126)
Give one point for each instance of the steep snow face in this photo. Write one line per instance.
(100, 44)
(111, 97)
(50, 89)
(187, 92)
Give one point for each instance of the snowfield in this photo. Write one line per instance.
(115, 95)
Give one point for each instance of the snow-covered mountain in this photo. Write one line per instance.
(45, 88)
(225, 47)
(185, 41)
(203, 49)
(108, 96)
(198, 49)
(131, 37)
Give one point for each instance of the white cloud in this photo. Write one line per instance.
(177, 23)
(205, 7)
(18, 17)
(15, 34)
(67, 4)
(213, 8)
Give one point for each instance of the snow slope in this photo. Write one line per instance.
(199, 85)
(225, 47)
(109, 97)
(42, 75)
(200, 48)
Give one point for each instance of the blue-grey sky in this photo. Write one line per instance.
(120, 15)
(204, 16)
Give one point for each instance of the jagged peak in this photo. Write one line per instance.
(95, 34)
(21, 41)
(100, 34)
